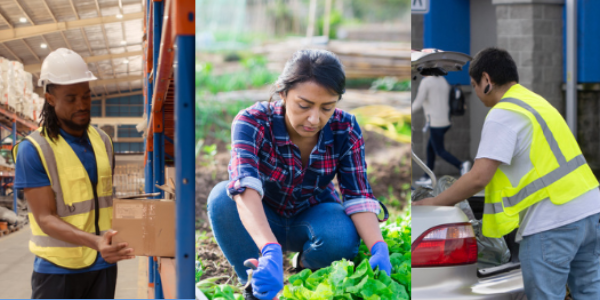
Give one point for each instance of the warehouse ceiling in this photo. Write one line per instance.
(106, 33)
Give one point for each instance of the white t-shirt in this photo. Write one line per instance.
(506, 137)
(433, 96)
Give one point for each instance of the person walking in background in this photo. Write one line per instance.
(432, 96)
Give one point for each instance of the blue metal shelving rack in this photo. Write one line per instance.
(169, 93)
(18, 126)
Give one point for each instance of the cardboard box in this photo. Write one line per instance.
(148, 226)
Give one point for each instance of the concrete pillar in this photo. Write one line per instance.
(416, 31)
(532, 31)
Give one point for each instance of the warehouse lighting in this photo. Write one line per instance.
(22, 20)
(44, 46)
(123, 42)
(126, 61)
(119, 16)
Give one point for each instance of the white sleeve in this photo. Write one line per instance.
(498, 140)
(422, 91)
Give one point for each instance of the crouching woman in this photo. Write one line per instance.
(280, 196)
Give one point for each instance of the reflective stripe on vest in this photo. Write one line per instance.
(73, 191)
(546, 180)
(46, 241)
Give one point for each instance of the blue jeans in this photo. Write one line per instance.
(324, 233)
(565, 255)
(436, 146)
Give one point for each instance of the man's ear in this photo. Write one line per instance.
(50, 99)
(487, 78)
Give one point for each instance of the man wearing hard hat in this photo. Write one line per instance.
(65, 168)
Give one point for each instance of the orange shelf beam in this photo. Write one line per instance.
(165, 61)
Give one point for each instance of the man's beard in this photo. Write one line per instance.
(74, 126)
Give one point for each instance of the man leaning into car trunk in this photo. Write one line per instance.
(536, 180)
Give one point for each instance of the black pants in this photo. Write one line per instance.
(436, 146)
(90, 285)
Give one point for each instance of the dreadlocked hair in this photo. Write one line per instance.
(48, 117)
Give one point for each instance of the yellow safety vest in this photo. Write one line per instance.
(560, 172)
(76, 200)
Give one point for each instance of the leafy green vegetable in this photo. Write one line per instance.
(341, 280)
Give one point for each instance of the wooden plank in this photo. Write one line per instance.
(167, 277)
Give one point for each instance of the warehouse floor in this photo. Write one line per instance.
(16, 266)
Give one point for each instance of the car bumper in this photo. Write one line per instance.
(461, 282)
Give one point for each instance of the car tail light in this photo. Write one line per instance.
(445, 245)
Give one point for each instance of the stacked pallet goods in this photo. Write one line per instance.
(16, 86)
(16, 90)
(27, 95)
(38, 104)
(4, 66)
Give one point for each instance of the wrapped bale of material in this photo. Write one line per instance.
(37, 104)
(4, 66)
(20, 107)
(28, 95)
(16, 86)
(28, 82)
(28, 105)
(7, 215)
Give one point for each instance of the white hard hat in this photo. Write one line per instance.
(64, 66)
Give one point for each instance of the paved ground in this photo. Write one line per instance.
(16, 266)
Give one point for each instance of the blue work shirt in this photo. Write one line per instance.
(30, 173)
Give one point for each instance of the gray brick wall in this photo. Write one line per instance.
(532, 33)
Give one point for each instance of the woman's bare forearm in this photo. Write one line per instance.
(252, 214)
(367, 226)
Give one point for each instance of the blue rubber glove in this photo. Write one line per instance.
(381, 257)
(267, 279)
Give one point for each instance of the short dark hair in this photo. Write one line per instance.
(497, 63)
(319, 66)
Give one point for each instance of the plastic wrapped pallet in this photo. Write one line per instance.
(36, 108)
(20, 107)
(4, 66)
(25, 105)
(28, 105)
(32, 106)
(16, 87)
(27, 95)
(28, 81)
(40, 106)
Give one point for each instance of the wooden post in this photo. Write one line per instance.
(103, 107)
(339, 5)
(327, 18)
(312, 11)
(295, 17)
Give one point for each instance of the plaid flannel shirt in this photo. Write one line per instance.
(264, 158)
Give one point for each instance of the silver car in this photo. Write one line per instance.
(446, 263)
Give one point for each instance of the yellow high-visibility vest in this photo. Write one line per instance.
(560, 172)
(76, 200)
